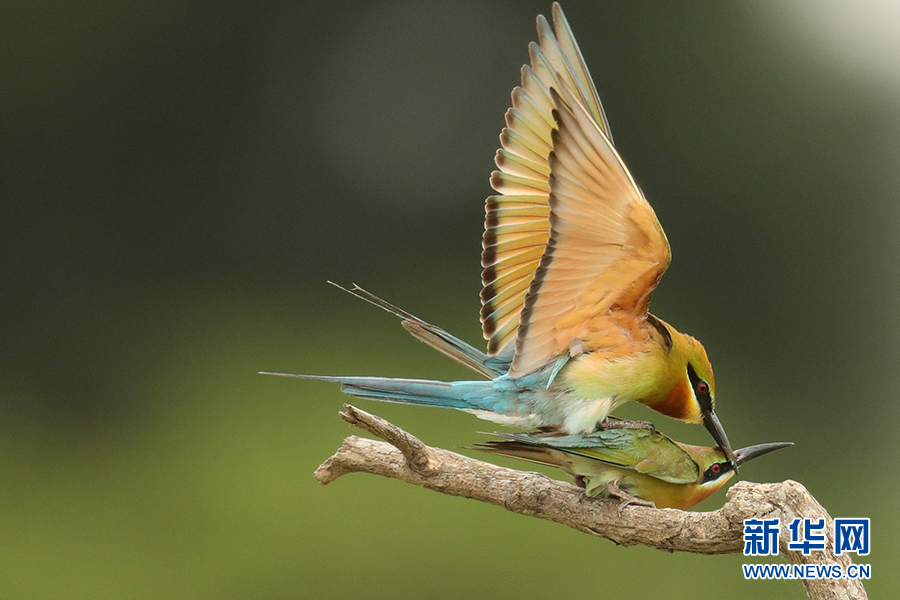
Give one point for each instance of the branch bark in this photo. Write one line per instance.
(403, 456)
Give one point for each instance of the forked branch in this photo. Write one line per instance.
(403, 456)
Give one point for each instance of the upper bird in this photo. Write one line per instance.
(572, 253)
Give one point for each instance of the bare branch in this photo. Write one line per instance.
(403, 456)
(416, 453)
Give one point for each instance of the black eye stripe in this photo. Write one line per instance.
(704, 399)
(711, 474)
(692, 375)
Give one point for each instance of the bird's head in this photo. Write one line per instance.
(716, 468)
(692, 397)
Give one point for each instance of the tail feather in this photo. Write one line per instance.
(445, 343)
(522, 451)
(419, 392)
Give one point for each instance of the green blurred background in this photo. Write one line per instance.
(180, 178)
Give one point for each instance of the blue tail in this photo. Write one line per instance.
(437, 338)
(461, 395)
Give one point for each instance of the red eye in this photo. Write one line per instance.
(702, 388)
(716, 468)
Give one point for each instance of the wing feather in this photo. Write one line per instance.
(579, 69)
(644, 451)
(519, 144)
(520, 166)
(606, 247)
(522, 179)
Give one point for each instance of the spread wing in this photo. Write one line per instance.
(569, 236)
(606, 250)
(645, 451)
(517, 221)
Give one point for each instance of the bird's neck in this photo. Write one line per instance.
(678, 402)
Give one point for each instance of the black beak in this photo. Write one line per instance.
(712, 424)
(742, 455)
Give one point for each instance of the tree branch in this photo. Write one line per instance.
(403, 456)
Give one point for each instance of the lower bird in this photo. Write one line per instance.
(638, 466)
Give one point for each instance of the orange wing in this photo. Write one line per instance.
(517, 223)
(606, 250)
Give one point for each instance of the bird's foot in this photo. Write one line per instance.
(626, 499)
(614, 423)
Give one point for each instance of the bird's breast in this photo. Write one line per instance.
(626, 376)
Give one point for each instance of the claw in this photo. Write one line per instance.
(626, 499)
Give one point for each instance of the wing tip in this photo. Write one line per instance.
(496, 180)
(488, 274)
(489, 249)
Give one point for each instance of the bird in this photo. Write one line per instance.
(572, 252)
(638, 466)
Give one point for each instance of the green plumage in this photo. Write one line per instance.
(644, 451)
(633, 464)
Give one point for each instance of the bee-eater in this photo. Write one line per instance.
(639, 466)
(572, 252)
